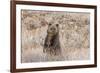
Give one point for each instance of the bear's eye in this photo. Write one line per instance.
(57, 25)
(49, 24)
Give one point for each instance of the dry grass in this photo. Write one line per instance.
(73, 32)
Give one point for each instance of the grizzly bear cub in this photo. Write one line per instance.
(52, 44)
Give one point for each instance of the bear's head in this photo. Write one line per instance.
(53, 29)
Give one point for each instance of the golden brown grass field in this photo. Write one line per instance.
(73, 35)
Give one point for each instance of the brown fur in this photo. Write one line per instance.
(52, 44)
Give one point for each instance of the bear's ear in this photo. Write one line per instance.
(57, 25)
(49, 24)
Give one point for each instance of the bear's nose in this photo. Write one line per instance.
(52, 29)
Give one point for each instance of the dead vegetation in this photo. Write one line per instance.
(73, 35)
